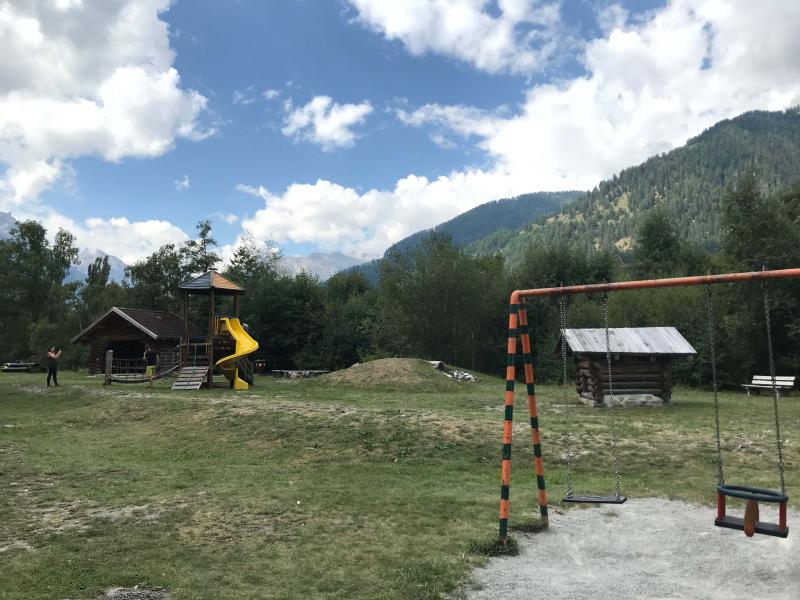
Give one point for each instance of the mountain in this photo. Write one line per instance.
(688, 183)
(505, 215)
(483, 220)
(7, 223)
(317, 263)
(87, 257)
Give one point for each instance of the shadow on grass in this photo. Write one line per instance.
(495, 548)
(534, 526)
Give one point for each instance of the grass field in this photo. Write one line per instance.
(297, 489)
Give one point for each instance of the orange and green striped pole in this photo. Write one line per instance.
(505, 477)
(533, 411)
(518, 327)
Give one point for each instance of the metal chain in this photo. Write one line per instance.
(714, 380)
(775, 392)
(562, 310)
(618, 486)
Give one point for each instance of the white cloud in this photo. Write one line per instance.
(182, 183)
(243, 98)
(324, 122)
(522, 37)
(250, 96)
(86, 78)
(229, 218)
(466, 121)
(650, 85)
(363, 225)
(130, 241)
(647, 91)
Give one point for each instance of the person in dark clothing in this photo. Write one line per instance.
(151, 363)
(52, 365)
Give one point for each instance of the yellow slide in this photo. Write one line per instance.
(244, 345)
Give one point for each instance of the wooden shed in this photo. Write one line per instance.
(127, 331)
(641, 363)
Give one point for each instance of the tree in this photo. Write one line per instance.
(32, 288)
(748, 224)
(553, 267)
(154, 281)
(98, 272)
(657, 245)
(348, 321)
(98, 294)
(444, 304)
(197, 254)
(252, 261)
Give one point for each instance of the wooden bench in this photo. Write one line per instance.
(784, 384)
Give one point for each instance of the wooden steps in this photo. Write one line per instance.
(191, 378)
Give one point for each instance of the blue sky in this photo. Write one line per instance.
(342, 126)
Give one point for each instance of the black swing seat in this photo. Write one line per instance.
(745, 492)
(737, 523)
(574, 499)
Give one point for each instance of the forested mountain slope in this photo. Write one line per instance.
(483, 220)
(506, 215)
(687, 183)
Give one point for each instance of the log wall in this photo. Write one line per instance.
(116, 332)
(631, 376)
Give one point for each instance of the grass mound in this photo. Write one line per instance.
(394, 373)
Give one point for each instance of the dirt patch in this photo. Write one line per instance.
(16, 545)
(135, 593)
(644, 549)
(217, 528)
(76, 516)
(392, 372)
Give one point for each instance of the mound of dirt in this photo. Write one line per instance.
(392, 372)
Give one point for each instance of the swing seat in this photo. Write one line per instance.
(574, 499)
(749, 524)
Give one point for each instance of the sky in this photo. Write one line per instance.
(345, 125)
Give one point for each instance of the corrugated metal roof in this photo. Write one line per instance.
(629, 340)
(211, 280)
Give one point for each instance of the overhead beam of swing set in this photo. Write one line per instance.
(518, 328)
(643, 284)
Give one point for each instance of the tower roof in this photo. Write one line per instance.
(211, 280)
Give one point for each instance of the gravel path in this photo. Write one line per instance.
(645, 549)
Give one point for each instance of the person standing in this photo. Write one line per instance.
(151, 363)
(53, 355)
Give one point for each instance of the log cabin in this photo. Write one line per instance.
(127, 331)
(641, 363)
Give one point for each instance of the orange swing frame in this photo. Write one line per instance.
(518, 329)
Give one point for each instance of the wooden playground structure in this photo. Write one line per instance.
(518, 330)
(193, 354)
(225, 347)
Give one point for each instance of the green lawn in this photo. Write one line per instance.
(300, 490)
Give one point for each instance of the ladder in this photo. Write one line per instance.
(191, 377)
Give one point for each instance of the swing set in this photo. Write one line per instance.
(518, 329)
